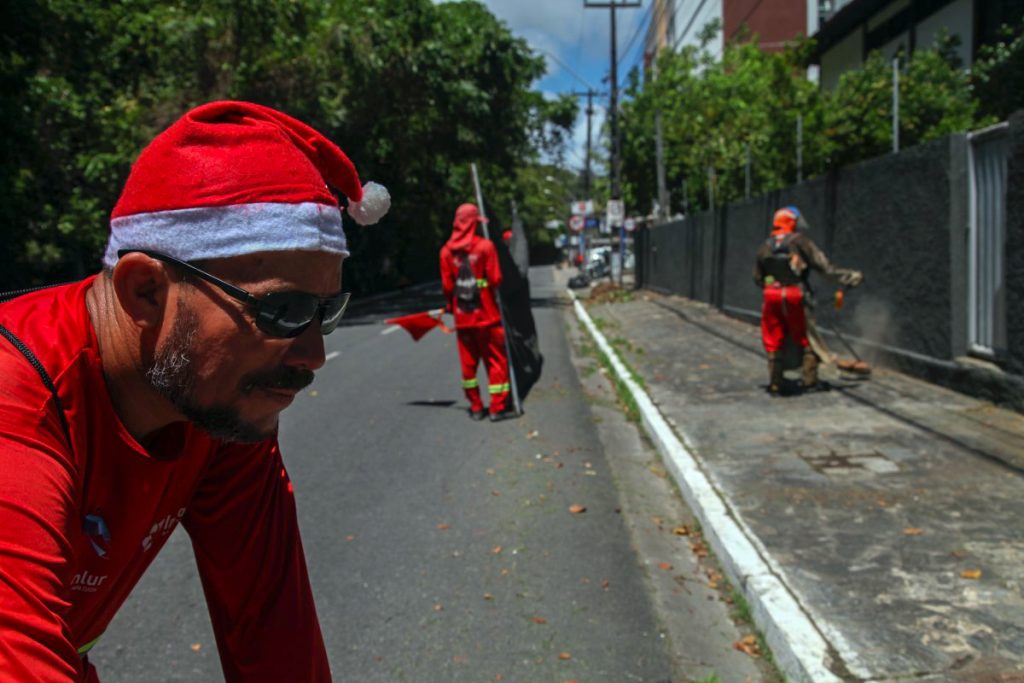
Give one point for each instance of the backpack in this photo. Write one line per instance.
(467, 291)
(784, 257)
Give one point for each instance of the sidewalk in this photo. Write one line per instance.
(890, 510)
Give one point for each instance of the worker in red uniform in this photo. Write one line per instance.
(470, 277)
(782, 270)
(148, 396)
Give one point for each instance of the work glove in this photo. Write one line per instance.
(851, 278)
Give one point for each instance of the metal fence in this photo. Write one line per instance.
(988, 152)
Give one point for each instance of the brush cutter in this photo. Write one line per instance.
(856, 366)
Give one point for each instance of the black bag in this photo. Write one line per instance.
(467, 291)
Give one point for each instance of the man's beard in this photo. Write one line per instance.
(171, 373)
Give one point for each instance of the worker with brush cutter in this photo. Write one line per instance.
(782, 271)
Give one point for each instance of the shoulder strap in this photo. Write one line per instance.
(7, 296)
(35, 363)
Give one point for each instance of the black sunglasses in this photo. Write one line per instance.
(278, 314)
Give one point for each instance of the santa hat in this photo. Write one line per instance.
(232, 178)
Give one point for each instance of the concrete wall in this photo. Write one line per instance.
(903, 220)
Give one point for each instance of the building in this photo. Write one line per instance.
(851, 30)
(676, 24)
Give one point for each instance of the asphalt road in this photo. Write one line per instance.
(442, 549)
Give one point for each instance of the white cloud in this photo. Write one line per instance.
(580, 38)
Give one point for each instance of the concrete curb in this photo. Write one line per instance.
(800, 650)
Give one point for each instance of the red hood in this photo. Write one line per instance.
(464, 228)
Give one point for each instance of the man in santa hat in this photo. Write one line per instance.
(470, 277)
(148, 395)
(782, 270)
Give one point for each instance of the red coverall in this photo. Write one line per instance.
(480, 334)
(80, 524)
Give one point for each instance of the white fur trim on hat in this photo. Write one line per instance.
(371, 208)
(224, 231)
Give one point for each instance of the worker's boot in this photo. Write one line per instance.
(774, 373)
(809, 370)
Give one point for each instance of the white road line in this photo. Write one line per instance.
(390, 329)
(799, 647)
(332, 354)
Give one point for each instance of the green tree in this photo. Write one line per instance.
(412, 91)
(935, 100)
(716, 109)
(998, 74)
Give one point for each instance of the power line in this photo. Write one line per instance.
(689, 25)
(639, 27)
(563, 65)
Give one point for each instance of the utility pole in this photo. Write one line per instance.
(590, 95)
(614, 111)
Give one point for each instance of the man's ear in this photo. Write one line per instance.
(141, 284)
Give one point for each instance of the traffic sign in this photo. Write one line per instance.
(616, 212)
(582, 208)
(629, 224)
(576, 223)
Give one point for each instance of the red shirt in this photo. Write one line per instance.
(63, 574)
(483, 261)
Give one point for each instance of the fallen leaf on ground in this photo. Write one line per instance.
(970, 574)
(532, 435)
(699, 549)
(587, 465)
(460, 659)
(540, 620)
(504, 572)
(666, 566)
(196, 647)
(576, 508)
(499, 677)
(495, 492)
(488, 596)
(496, 549)
(564, 656)
(605, 584)
(350, 537)
(491, 472)
(438, 607)
(681, 531)
(658, 472)
(442, 526)
(748, 645)
(912, 531)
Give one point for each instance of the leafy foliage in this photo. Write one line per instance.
(998, 74)
(717, 111)
(412, 91)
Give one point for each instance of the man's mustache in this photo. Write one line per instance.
(282, 378)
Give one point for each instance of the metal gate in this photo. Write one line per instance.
(988, 151)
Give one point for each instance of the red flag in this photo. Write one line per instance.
(418, 324)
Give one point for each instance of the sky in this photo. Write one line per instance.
(576, 42)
